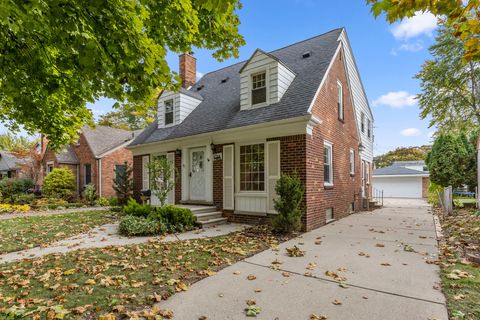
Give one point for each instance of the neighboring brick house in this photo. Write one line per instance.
(13, 166)
(95, 158)
(232, 134)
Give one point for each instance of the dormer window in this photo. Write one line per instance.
(259, 88)
(169, 112)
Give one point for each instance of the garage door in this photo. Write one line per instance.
(399, 187)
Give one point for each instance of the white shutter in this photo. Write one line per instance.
(228, 180)
(145, 173)
(273, 171)
(171, 194)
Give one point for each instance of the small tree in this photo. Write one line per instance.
(161, 178)
(123, 183)
(60, 183)
(451, 160)
(290, 192)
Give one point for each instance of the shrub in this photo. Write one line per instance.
(25, 198)
(10, 188)
(60, 183)
(433, 191)
(137, 226)
(102, 202)
(89, 193)
(49, 201)
(137, 210)
(175, 218)
(113, 202)
(9, 208)
(290, 193)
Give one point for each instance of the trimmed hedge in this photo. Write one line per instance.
(142, 219)
(137, 226)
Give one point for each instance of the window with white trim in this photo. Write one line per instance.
(362, 122)
(352, 161)
(169, 112)
(252, 167)
(259, 88)
(328, 163)
(340, 108)
(369, 128)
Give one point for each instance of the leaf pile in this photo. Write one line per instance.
(115, 280)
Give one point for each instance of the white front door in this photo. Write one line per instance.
(197, 174)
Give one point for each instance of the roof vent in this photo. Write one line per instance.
(200, 87)
(225, 79)
(306, 54)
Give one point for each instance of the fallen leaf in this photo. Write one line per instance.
(251, 277)
(337, 302)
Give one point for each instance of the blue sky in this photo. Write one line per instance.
(388, 56)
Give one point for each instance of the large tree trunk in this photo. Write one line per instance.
(478, 172)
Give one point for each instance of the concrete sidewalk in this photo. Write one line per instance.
(371, 250)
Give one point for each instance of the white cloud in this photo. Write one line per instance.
(411, 132)
(396, 99)
(412, 47)
(199, 75)
(420, 23)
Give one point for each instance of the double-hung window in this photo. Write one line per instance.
(369, 128)
(362, 122)
(352, 161)
(252, 167)
(328, 164)
(88, 173)
(259, 88)
(169, 112)
(340, 108)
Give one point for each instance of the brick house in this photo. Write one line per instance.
(301, 108)
(99, 153)
(14, 166)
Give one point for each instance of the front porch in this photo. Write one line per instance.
(207, 216)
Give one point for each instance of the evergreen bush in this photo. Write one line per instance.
(290, 192)
(60, 183)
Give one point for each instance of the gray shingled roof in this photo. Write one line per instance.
(102, 139)
(67, 156)
(408, 163)
(397, 171)
(220, 108)
(8, 161)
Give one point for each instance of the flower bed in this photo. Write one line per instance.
(12, 208)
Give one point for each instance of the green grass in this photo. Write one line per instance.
(463, 295)
(28, 232)
(91, 282)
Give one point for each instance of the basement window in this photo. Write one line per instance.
(259, 88)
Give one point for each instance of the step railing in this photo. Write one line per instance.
(377, 196)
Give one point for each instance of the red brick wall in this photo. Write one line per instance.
(178, 178)
(117, 157)
(85, 156)
(218, 178)
(343, 136)
(425, 182)
(137, 176)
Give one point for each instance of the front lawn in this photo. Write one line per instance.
(28, 232)
(86, 284)
(460, 277)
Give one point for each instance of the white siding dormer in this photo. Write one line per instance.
(277, 79)
(183, 104)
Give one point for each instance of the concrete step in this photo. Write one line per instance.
(212, 222)
(208, 215)
(199, 209)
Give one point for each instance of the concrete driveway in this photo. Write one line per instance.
(384, 279)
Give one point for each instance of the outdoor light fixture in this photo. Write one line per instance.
(212, 146)
(178, 152)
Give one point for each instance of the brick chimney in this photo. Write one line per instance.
(188, 69)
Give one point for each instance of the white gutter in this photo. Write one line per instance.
(401, 175)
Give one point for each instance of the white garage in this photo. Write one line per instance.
(398, 181)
